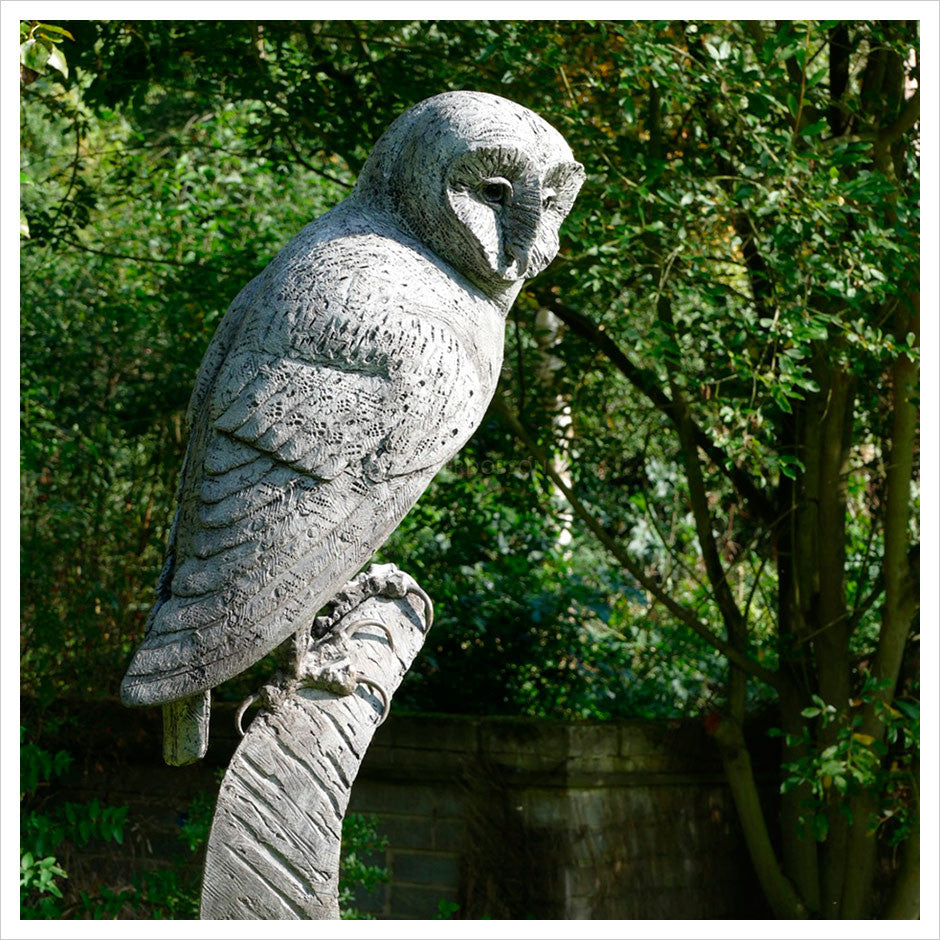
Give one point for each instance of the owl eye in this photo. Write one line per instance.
(496, 192)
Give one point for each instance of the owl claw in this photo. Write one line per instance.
(324, 663)
(391, 581)
(270, 695)
(377, 581)
(386, 702)
(428, 605)
(359, 624)
(245, 705)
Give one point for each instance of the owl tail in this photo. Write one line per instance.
(186, 729)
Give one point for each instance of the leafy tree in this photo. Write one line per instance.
(763, 214)
(738, 290)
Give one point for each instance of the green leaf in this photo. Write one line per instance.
(811, 130)
(58, 30)
(817, 77)
(820, 827)
(911, 709)
(629, 110)
(57, 61)
(34, 53)
(61, 762)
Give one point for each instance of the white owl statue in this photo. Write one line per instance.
(341, 379)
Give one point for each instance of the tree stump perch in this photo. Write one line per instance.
(274, 845)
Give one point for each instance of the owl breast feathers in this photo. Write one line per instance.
(340, 381)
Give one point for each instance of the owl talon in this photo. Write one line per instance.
(428, 605)
(245, 705)
(270, 696)
(360, 624)
(377, 581)
(391, 581)
(386, 701)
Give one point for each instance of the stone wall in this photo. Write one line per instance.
(504, 818)
(517, 818)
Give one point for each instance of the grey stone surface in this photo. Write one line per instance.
(341, 379)
(274, 845)
(427, 868)
(418, 902)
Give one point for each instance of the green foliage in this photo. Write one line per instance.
(40, 48)
(44, 828)
(170, 892)
(38, 876)
(447, 910)
(856, 762)
(173, 892)
(360, 841)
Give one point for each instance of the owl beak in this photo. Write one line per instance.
(518, 255)
(521, 236)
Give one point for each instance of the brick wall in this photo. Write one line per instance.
(506, 818)
(520, 818)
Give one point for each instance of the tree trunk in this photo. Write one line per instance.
(904, 902)
(274, 845)
(784, 901)
(900, 604)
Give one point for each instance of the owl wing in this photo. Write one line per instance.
(302, 462)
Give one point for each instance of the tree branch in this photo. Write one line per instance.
(288, 783)
(778, 889)
(683, 614)
(908, 117)
(730, 614)
(649, 385)
(121, 257)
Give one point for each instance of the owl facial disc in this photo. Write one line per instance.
(482, 181)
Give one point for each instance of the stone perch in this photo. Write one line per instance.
(274, 845)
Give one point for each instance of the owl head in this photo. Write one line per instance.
(480, 180)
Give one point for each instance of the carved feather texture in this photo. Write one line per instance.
(339, 382)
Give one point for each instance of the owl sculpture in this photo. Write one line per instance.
(340, 380)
